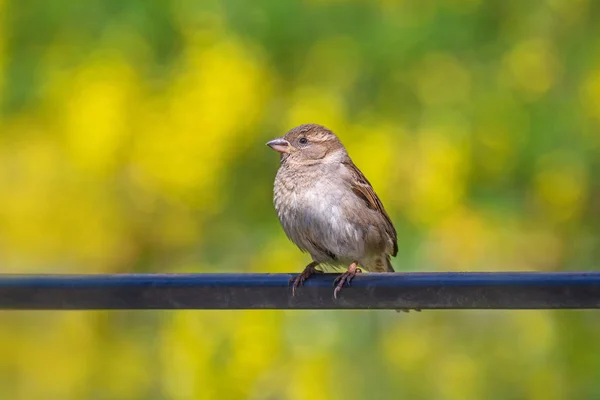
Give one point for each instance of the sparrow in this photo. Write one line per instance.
(328, 208)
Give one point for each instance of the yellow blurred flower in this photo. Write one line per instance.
(561, 185)
(533, 66)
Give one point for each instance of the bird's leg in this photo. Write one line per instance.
(298, 280)
(346, 278)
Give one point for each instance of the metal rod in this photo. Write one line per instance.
(493, 290)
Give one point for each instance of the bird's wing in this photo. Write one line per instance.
(363, 189)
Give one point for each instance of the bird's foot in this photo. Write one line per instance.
(299, 279)
(345, 278)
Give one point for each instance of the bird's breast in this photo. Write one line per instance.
(312, 215)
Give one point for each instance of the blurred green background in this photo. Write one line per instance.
(132, 139)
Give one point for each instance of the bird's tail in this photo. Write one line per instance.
(380, 264)
(388, 264)
(390, 268)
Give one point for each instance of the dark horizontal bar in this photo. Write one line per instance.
(497, 290)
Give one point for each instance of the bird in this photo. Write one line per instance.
(328, 208)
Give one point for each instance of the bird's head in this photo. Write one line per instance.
(308, 144)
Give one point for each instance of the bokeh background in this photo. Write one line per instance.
(132, 139)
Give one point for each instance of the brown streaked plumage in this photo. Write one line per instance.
(328, 208)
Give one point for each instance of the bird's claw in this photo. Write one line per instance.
(298, 280)
(345, 278)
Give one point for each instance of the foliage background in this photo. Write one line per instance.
(132, 140)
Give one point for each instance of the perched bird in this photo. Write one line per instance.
(328, 208)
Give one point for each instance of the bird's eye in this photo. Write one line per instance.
(303, 140)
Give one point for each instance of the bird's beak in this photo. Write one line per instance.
(280, 144)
